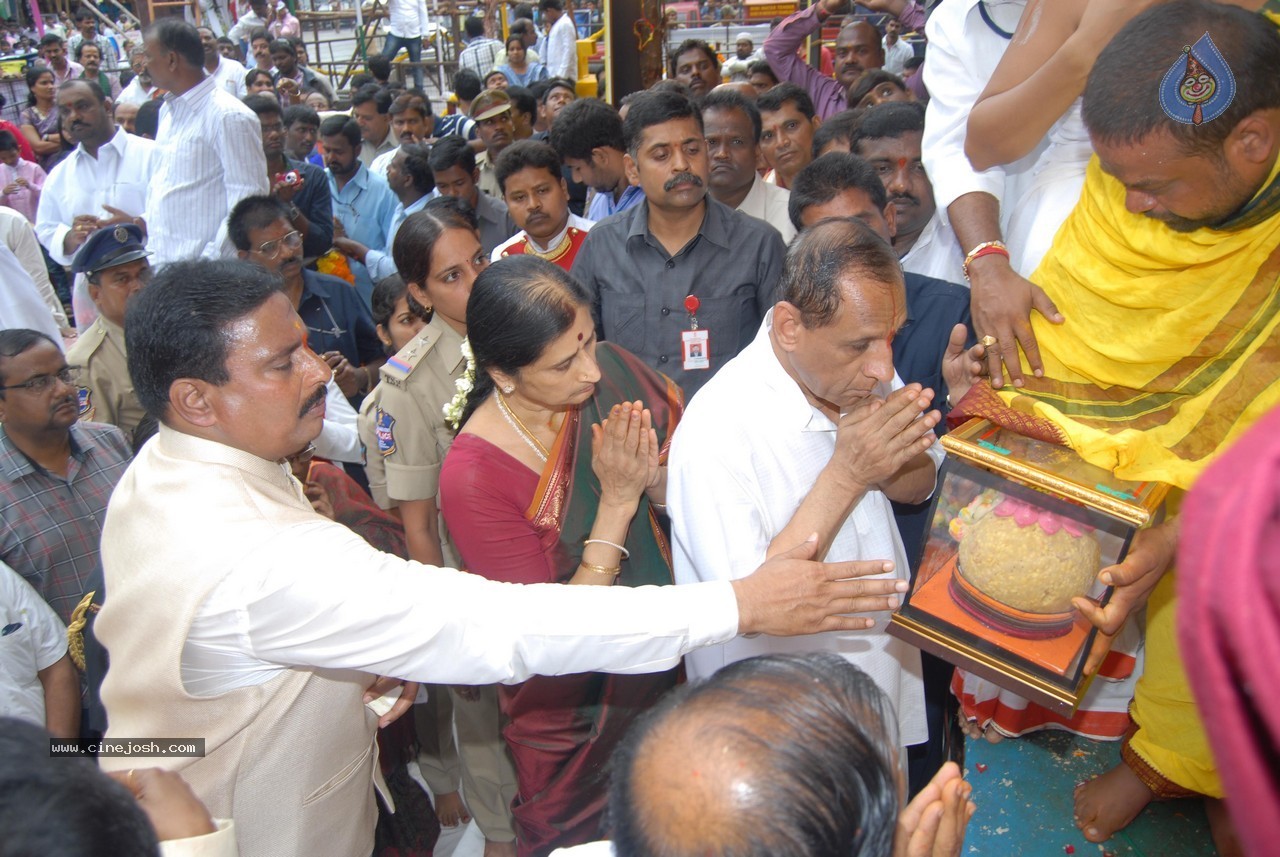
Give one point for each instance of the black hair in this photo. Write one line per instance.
(417, 163)
(775, 98)
(1122, 102)
(263, 105)
(868, 81)
(283, 46)
(8, 142)
(341, 126)
(252, 74)
(913, 62)
(34, 74)
(888, 121)
(692, 45)
(841, 126)
(64, 806)
(380, 97)
(379, 66)
(539, 88)
(179, 329)
(386, 294)
(824, 178)
(361, 79)
(667, 84)
(820, 767)
(551, 84)
(452, 151)
(544, 5)
(585, 125)
(416, 240)
(497, 72)
(19, 340)
(473, 26)
(83, 14)
(728, 99)
(523, 11)
(525, 154)
(260, 35)
(51, 39)
(175, 34)
(95, 88)
(411, 101)
(762, 67)
(513, 36)
(85, 43)
(147, 122)
(253, 212)
(655, 107)
(467, 84)
(126, 78)
(522, 27)
(522, 100)
(519, 305)
(822, 256)
(300, 113)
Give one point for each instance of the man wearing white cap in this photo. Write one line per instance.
(737, 67)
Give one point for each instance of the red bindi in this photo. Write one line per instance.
(902, 163)
(580, 337)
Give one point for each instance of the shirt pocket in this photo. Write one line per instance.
(731, 319)
(623, 317)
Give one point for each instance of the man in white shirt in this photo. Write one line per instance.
(102, 181)
(255, 19)
(810, 429)
(561, 57)
(21, 303)
(896, 50)
(54, 51)
(407, 25)
(239, 614)
(18, 235)
(228, 73)
(38, 682)
(732, 127)
(208, 151)
(141, 88)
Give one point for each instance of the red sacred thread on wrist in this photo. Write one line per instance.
(987, 248)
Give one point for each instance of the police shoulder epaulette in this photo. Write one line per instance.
(86, 344)
(398, 368)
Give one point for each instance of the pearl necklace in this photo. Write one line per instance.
(520, 428)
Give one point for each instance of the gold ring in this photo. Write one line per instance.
(988, 341)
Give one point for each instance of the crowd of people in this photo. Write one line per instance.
(666, 381)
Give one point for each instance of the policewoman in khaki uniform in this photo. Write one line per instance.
(114, 261)
(402, 425)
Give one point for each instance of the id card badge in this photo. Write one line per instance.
(694, 343)
(696, 348)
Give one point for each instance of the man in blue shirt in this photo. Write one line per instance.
(588, 136)
(363, 203)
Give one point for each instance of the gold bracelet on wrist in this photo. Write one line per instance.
(600, 569)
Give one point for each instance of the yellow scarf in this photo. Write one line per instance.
(1170, 348)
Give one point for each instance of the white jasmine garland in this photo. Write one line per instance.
(464, 385)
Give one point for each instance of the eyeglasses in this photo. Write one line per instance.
(69, 375)
(271, 249)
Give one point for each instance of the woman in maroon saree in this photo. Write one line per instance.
(558, 476)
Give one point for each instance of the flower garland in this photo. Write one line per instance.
(454, 408)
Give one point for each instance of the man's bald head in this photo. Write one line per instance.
(786, 756)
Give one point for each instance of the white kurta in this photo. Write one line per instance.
(744, 457)
(300, 591)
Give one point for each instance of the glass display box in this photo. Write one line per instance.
(1018, 528)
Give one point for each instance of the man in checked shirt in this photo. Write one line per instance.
(56, 473)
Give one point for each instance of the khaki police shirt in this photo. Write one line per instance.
(403, 429)
(106, 391)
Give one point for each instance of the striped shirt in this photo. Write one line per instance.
(208, 157)
(52, 525)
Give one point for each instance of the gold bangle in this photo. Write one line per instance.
(600, 569)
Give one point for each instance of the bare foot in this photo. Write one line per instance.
(499, 849)
(1222, 829)
(451, 810)
(975, 732)
(1110, 802)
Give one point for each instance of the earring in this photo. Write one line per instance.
(508, 390)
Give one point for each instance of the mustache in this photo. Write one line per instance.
(314, 399)
(682, 178)
(904, 197)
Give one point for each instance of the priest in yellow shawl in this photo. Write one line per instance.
(1168, 275)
